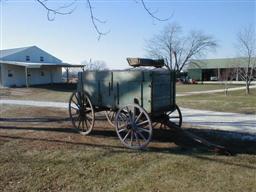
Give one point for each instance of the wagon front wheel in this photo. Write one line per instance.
(133, 126)
(81, 112)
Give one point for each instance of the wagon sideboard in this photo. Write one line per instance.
(153, 90)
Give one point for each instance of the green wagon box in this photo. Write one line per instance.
(152, 90)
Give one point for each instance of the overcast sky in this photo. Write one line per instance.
(73, 39)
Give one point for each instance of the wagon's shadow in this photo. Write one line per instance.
(184, 143)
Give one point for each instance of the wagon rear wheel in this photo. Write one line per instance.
(133, 126)
(169, 119)
(110, 115)
(81, 112)
(175, 116)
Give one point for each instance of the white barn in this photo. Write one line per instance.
(29, 66)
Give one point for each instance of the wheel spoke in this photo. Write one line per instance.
(89, 117)
(123, 117)
(143, 130)
(143, 122)
(126, 135)
(89, 120)
(88, 110)
(121, 130)
(86, 124)
(138, 117)
(89, 123)
(83, 125)
(174, 117)
(141, 135)
(122, 126)
(74, 107)
(79, 119)
(74, 102)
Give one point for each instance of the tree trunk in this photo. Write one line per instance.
(247, 88)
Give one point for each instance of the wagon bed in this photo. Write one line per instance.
(152, 90)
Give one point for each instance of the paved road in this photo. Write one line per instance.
(213, 91)
(239, 123)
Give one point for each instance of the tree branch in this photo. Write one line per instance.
(56, 11)
(153, 14)
(94, 20)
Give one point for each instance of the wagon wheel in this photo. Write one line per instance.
(81, 112)
(175, 116)
(133, 126)
(110, 115)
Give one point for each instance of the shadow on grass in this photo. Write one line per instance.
(236, 143)
(57, 87)
(35, 119)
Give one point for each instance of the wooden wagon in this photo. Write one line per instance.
(133, 101)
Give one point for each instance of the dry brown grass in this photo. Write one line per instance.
(39, 151)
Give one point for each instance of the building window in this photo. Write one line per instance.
(27, 58)
(10, 73)
(41, 59)
(42, 73)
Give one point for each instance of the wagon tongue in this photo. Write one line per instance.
(139, 62)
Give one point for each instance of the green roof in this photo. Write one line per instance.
(218, 63)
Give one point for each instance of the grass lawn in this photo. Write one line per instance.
(235, 101)
(39, 151)
(56, 92)
(183, 88)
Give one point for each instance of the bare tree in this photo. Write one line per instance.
(177, 48)
(70, 7)
(246, 39)
(96, 65)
